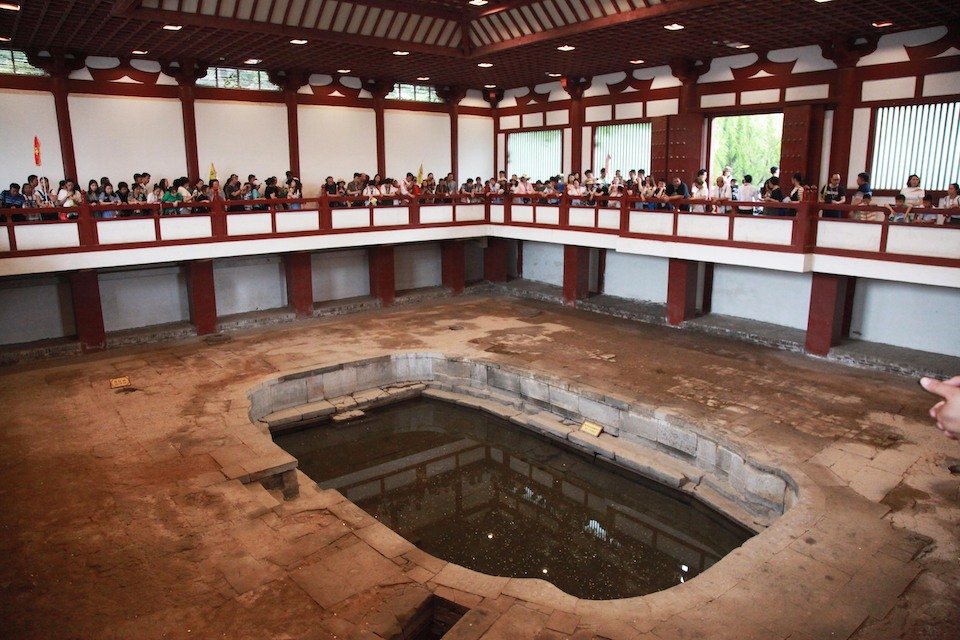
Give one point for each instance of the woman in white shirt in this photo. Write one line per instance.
(371, 192)
(951, 201)
(574, 190)
(700, 191)
(721, 191)
(912, 192)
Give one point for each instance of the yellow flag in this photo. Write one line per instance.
(420, 174)
(213, 172)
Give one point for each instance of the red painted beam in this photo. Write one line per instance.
(576, 274)
(382, 279)
(87, 310)
(681, 290)
(203, 296)
(828, 297)
(298, 269)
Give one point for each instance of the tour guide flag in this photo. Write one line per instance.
(213, 172)
(420, 174)
(36, 150)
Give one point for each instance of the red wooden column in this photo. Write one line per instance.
(453, 265)
(379, 89)
(186, 73)
(290, 82)
(452, 97)
(58, 84)
(800, 148)
(495, 260)
(681, 290)
(684, 135)
(87, 310)
(382, 279)
(298, 268)
(203, 296)
(575, 86)
(828, 297)
(576, 274)
(845, 90)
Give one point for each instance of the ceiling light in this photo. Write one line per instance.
(172, 27)
(4, 39)
(673, 27)
(298, 41)
(139, 52)
(738, 45)
(566, 47)
(880, 24)
(477, 3)
(252, 61)
(489, 86)
(401, 53)
(343, 70)
(423, 78)
(554, 75)
(10, 6)
(484, 65)
(637, 61)
(821, 0)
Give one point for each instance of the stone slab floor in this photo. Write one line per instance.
(118, 522)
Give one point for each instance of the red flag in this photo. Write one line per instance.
(36, 150)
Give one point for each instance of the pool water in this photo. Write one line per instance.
(483, 493)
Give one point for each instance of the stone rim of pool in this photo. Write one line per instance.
(775, 501)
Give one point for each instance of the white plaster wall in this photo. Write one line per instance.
(23, 115)
(636, 277)
(474, 147)
(907, 315)
(117, 137)
(340, 274)
(335, 141)
(416, 266)
(771, 296)
(35, 308)
(859, 143)
(543, 262)
(143, 298)
(249, 284)
(412, 139)
(242, 138)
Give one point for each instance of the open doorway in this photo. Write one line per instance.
(749, 144)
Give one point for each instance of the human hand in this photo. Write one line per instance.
(947, 411)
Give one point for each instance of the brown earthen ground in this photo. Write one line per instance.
(117, 521)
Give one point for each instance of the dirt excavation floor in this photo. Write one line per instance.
(119, 517)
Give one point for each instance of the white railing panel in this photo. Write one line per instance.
(763, 230)
(471, 212)
(126, 231)
(351, 217)
(4, 239)
(391, 216)
(548, 215)
(848, 235)
(496, 213)
(608, 219)
(521, 213)
(433, 214)
(288, 221)
(653, 222)
(581, 217)
(703, 226)
(935, 242)
(248, 224)
(48, 236)
(185, 228)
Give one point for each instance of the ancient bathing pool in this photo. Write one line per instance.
(476, 490)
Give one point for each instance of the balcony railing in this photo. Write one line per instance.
(793, 227)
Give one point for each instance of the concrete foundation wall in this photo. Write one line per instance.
(35, 309)
(249, 284)
(340, 274)
(636, 277)
(143, 298)
(770, 296)
(543, 262)
(417, 266)
(907, 315)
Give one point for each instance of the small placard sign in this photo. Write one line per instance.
(592, 428)
(116, 383)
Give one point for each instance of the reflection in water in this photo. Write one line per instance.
(475, 490)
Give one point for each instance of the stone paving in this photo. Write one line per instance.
(131, 513)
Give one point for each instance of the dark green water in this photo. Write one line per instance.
(483, 493)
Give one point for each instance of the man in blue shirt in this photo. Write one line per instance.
(12, 198)
(863, 188)
(678, 190)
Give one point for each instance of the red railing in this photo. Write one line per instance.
(794, 227)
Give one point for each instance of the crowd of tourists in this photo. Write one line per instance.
(724, 194)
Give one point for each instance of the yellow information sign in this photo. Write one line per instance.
(116, 383)
(592, 428)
